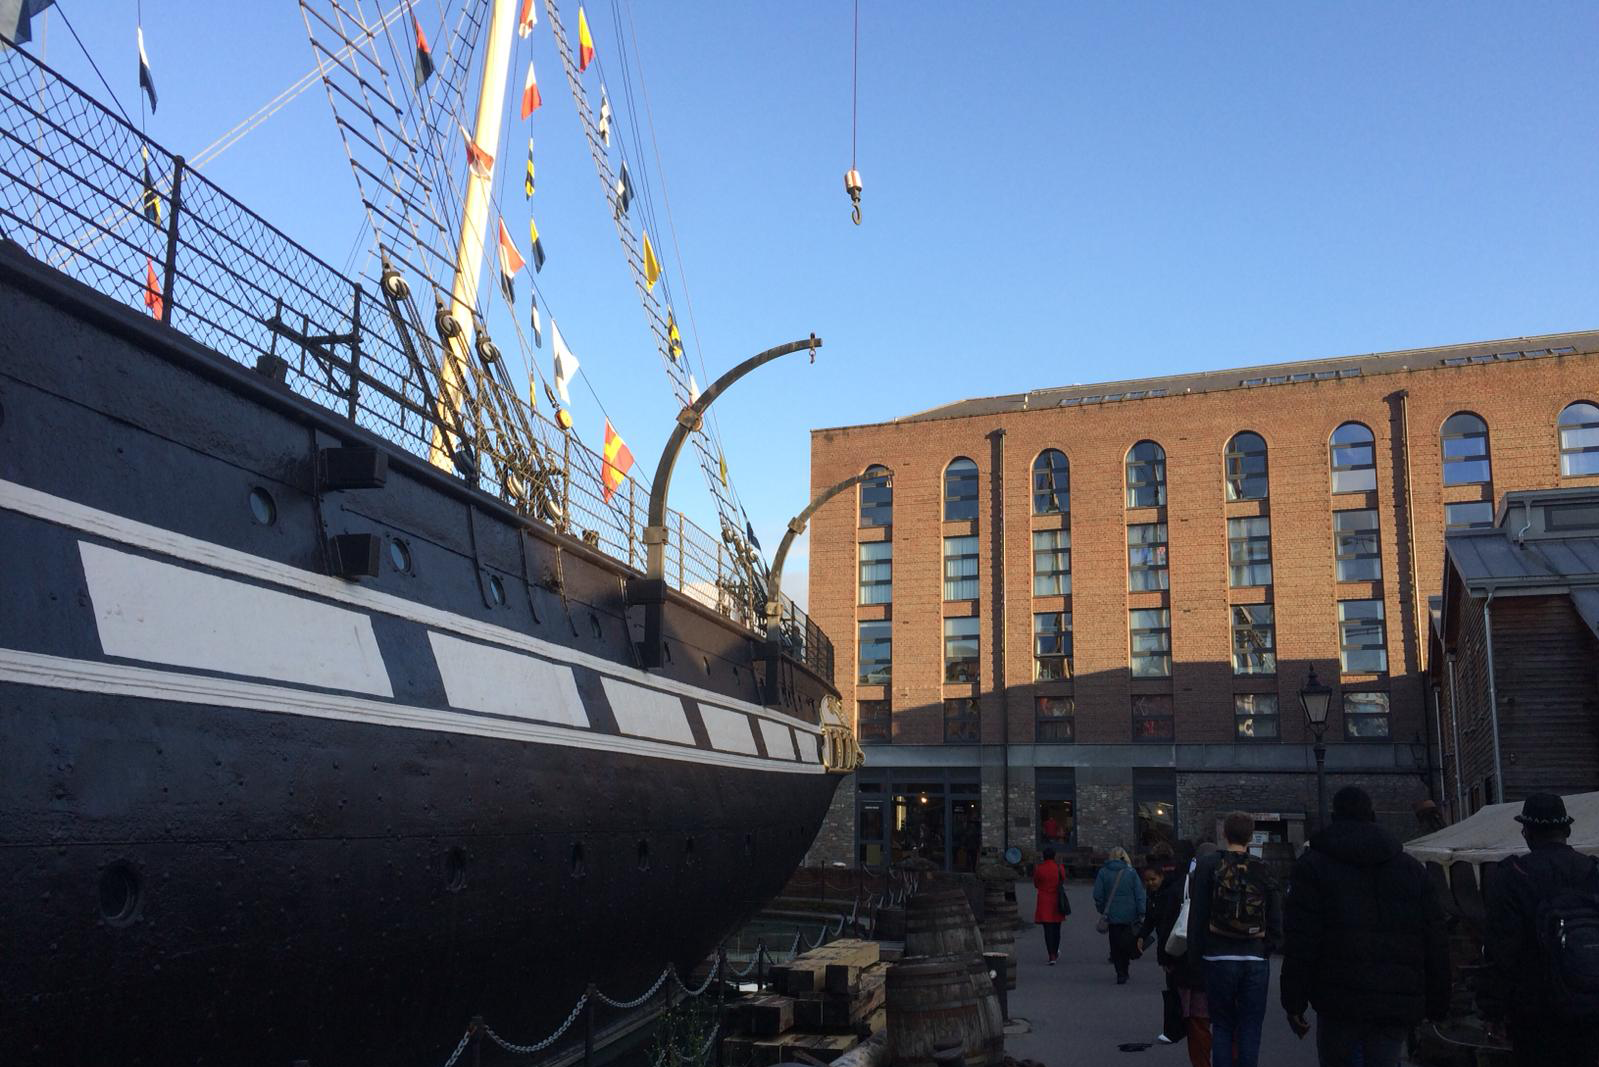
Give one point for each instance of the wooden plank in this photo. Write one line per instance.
(807, 972)
(831, 1012)
(768, 1015)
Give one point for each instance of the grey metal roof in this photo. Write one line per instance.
(1587, 601)
(1491, 557)
(1070, 396)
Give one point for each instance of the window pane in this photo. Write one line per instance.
(1052, 562)
(877, 572)
(1362, 637)
(961, 720)
(1246, 467)
(1146, 475)
(1056, 718)
(876, 653)
(1366, 715)
(1355, 545)
(1249, 552)
(1254, 639)
(1465, 448)
(1146, 556)
(960, 650)
(1051, 484)
(1150, 643)
(1470, 515)
(872, 721)
(1052, 645)
(1354, 468)
(1579, 440)
(1152, 717)
(960, 490)
(877, 500)
(1256, 716)
(960, 568)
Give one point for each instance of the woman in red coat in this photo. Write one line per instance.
(1048, 878)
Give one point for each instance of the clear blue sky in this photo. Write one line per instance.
(1055, 193)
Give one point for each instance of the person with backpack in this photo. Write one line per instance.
(1049, 878)
(1363, 940)
(1234, 925)
(1120, 899)
(1541, 943)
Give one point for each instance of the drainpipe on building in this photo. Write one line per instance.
(1002, 689)
(1410, 531)
(1454, 726)
(1437, 732)
(1493, 694)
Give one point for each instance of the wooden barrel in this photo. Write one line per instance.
(1001, 937)
(935, 1000)
(999, 925)
(890, 924)
(940, 923)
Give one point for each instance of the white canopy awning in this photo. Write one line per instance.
(1494, 834)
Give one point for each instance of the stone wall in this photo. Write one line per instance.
(835, 841)
(1104, 815)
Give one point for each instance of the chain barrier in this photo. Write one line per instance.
(760, 950)
(460, 1046)
(705, 1049)
(636, 1001)
(709, 978)
(528, 1050)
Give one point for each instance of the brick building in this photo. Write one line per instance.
(1513, 667)
(1090, 609)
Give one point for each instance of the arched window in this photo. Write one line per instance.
(1465, 448)
(1146, 475)
(1579, 439)
(877, 498)
(960, 490)
(1246, 467)
(1354, 459)
(1051, 483)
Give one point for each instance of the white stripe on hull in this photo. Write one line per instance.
(500, 682)
(728, 730)
(146, 683)
(779, 740)
(645, 712)
(161, 613)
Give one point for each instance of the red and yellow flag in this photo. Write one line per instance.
(528, 18)
(152, 289)
(585, 41)
(531, 97)
(477, 159)
(618, 461)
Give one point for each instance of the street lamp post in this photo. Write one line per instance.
(1315, 698)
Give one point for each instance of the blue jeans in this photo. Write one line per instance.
(1236, 991)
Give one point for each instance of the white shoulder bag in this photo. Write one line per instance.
(1177, 940)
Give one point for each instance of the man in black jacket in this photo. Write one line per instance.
(1518, 987)
(1363, 941)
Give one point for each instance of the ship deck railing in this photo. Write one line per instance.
(72, 188)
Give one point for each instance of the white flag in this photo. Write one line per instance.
(565, 362)
(605, 116)
(693, 390)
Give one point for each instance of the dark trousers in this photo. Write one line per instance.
(1121, 947)
(1236, 993)
(1051, 938)
(1540, 1042)
(1347, 1042)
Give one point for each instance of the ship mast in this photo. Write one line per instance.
(474, 219)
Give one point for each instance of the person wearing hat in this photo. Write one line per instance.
(1540, 943)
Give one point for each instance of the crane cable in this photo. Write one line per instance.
(852, 177)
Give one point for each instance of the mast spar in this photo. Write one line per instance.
(475, 217)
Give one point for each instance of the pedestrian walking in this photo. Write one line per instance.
(1190, 976)
(1234, 925)
(1049, 878)
(1120, 899)
(1363, 940)
(1542, 943)
(1168, 871)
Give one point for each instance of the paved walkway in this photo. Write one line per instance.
(1080, 1015)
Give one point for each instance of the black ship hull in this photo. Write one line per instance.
(253, 812)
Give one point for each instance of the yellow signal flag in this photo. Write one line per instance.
(721, 467)
(652, 266)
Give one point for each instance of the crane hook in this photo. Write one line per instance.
(852, 186)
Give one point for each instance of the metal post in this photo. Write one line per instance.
(566, 482)
(355, 355)
(760, 965)
(588, 1025)
(632, 516)
(682, 581)
(170, 267)
(1321, 784)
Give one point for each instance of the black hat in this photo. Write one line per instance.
(1544, 809)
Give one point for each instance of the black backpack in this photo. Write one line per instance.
(1238, 892)
(1567, 925)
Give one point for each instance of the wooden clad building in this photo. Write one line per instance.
(1514, 666)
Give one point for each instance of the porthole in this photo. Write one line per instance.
(594, 626)
(496, 591)
(643, 855)
(579, 868)
(263, 509)
(400, 555)
(455, 870)
(119, 894)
